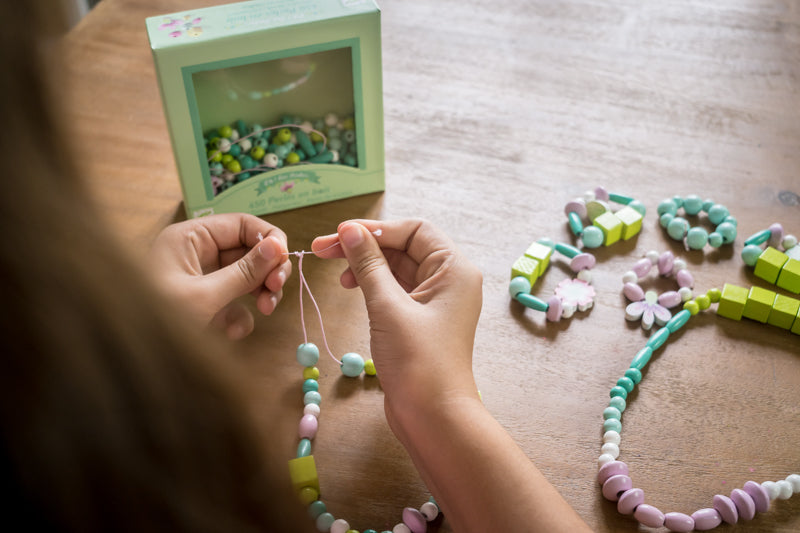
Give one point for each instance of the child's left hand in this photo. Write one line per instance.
(209, 262)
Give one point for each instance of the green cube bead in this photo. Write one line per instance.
(769, 264)
(759, 304)
(540, 253)
(789, 278)
(631, 221)
(611, 226)
(784, 311)
(527, 268)
(303, 473)
(732, 301)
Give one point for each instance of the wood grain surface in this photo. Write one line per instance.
(497, 114)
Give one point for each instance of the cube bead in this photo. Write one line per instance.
(527, 268)
(759, 304)
(611, 226)
(732, 301)
(796, 326)
(541, 253)
(303, 473)
(789, 278)
(784, 311)
(769, 264)
(631, 221)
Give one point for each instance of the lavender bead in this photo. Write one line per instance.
(601, 193)
(642, 267)
(633, 292)
(684, 278)
(649, 516)
(615, 485)
(744, 504)
(582, 262)
(726, 509)
(665, 263)
(414, 520)
(678, 522)
(670, 298)
(611, 469)
(705, 519)
(554, 308)
(759, 494)
(576, 206)
(775, 235)
(308, 427)
(630, 500)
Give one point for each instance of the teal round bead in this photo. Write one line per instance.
(677, 228)
(592, 237)
(634, 374)
(352, 365)
(618, 391)
(611, 412)
(519, 285)
(235, 150)
(692, 204)
(369, 531)
(667, 206)
(732, 220)
(312, 396)
(612, 424)
(325, 521)
(626, 383)
(618, 403)
(307, 354)
(316, 508)
(708, 204)
(304, 448)
(750, 254)
(715, 240)
(696, 238)
(717, 213)
(665, 219)
(638, 206)
(728, 232)
(310, 385)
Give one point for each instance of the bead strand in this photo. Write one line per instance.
(649, 306)
(779, 263)
(696, 238)
(606, 227)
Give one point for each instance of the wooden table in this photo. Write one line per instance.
(497, 114)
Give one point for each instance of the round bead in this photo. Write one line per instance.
(630, 500)
(692, 307)
(518, 285)
(727, 231)
(714, 295)
(611, 449)
(401, 528)
(630, 277)
(789, 241)
(618, 391)
(618, 403)
(615, 486)
(794, 481)
(784, 490)
(686, 293)
(638, 206)
(634, 374)
(592, 237)
(312, 397)
(750, 254)
(352, 365)
(292, 158)
(696, 239)
(771, 488)
(316, 508)
(677, 228)
(649, 516)
(715, 240)
(759, 495)
(678, 522)
(307, 354)
(429, 510)
(308, 495)
(604, 459)
(324, 521)
(369, 367)
(585, 275)
(611, 412)
(310, 384)
(414, 520)
(717, 213)
(705, 519)
(667, 206)
(611, 436)
(612, 424)
(601, 193)
(726, 509)
(311, 372)
(692, 204)
(626, 383)
(308, 427)
(311, 409)
(339, 526)
(665, 219)
(744, 504)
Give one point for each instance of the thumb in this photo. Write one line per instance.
(367, 263)
(247, 273)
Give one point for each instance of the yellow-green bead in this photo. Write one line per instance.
(257, 153)
(234, 166)
(215, 155)
(692, 307)
(282, 136)
(703, 301)
(311, 372)
(308, 495)
(225, 131)
(227, 158)
(369, 367)
(293, 158)
(714, 295)
(351, 531)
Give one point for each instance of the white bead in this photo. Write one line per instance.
(429, 510)
(678, 265)
(630, 277)
(784, 489)
(311, 409)
(401, 528)
(245, 145)
(789, 241)
(611, 436)
(603, 459)
(653, 256)
(335, 154)
(589, 196)
(794, 479)
(585, 275)
(306, 127)
(224, 145)
(772, 489)
(686, 293)
(611, 449)
(331, 119)
(340, 526)
(234, 135)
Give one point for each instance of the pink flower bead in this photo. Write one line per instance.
(649, 516)
(642, 267)
(414, 520)
(633, 292)
(670, 298)
(616, 485)
(684, 278)
(308, 427)
(759, 494)
(665, 263)
(630, 500)
(575, 206)
(612, 468)
(678, 522)
(726, 509)
(705, 519)
(744, 504)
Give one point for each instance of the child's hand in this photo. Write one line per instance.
(209, 262)
(423, 299)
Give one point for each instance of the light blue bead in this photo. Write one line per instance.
(678, 321)
(567, 250)
(715, 240)
(626, 383)
(519, 285)
(316, 508)
(717, 213)
(618, 391)
(641, 358)
(617, 402)
(612, 424)
(304, 448)
(732, 220)
(620, 198)
(759, 238)
(658, 338)
(575, 223)
(369, 531)
(665, 219)
(325, 521)
(307, 354)
(312, 396)
(309, 385)
(677, 228)
(592, 237)
(635, 374)
(696, 238)
(678, 201)
(611, 412)
(547, 242)
(693, 204)
(750, 254)
(667, 206)
(638, 206)
(529, 300)
(352, 365)
(728, 232)
(707, 205)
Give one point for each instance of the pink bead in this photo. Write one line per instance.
(414, 520)
(670, 298)
(612, 468)
(633, 292)
(665, 262)
(642, 267)
(705, 519)
(744, 504)
(684, 278)
(615, 485)
(649, 516)
(759, 494)
(726, 509)
(601, 194)
(630, 500)
(582, 262)
(776, 235)
(678, 522)
(576, 206)
(554, 308)
(308, 427)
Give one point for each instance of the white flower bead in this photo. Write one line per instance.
(686, 293)
(568, 310)
(611, 449)
(784, 489)
(429, 510)
(311, 409)
(772, 489)
(340, 526)
(794, 479)
(630, 277)
(401, 528)
(611, 436)
(585, 275)
(603, 459)
(653, 256)
(678, 265)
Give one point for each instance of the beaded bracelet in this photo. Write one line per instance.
(695, 238)
(617, 486)
(649, 306)
(570, 294)
(607, 227)
(779, 263)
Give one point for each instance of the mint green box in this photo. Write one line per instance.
(301, 80)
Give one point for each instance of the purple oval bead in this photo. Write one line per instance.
(611, 468)
(554, 308)
(775, 235)
(582, 262)
(670, 298)
(308, 427)
(759, 494)
(665, 262)
(601, 193)
(726, 509)
(630, 500)
(705, 519)
(649, 516)
(684, 278)
(576, 206)
(744, 504)
(633, 292)
(414, 520)
(642, 267)
(615, 485)
(678, 522)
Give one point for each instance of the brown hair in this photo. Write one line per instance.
(116, 414)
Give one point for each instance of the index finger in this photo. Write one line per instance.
(230, 231)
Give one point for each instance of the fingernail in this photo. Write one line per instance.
(268, 250)
(351, 235)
